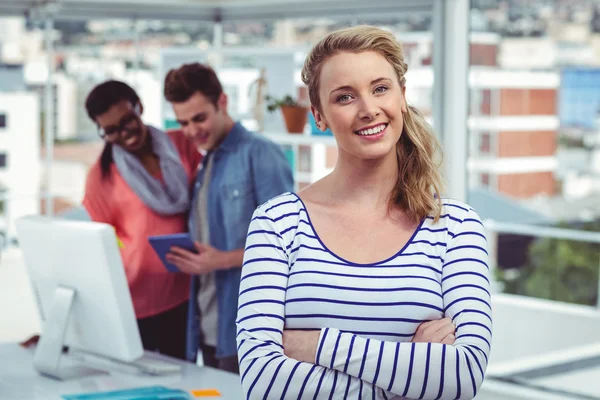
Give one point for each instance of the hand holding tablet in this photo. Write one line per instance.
(162, 246)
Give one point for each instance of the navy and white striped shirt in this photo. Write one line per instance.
(367, 313)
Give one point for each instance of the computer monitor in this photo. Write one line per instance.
(81, 290)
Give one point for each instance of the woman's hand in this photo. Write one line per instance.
(301, 345)
(438, 331)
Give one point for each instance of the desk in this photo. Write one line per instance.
(18, 379)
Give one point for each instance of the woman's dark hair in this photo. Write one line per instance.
(99, 101)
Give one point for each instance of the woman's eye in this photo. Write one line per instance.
(381, 89)
(343, 98)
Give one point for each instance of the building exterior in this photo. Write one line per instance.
(20, 170)
(513, 119)
(514, 124)
(66, 102)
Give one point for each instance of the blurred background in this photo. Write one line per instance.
(512, 88)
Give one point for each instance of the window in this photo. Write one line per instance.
(2, 120)
(3, 160)
(481, 102)
(543, 82)
(485, 143)
(486, 102)
(484, 180)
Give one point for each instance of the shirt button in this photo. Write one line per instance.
(236, 193)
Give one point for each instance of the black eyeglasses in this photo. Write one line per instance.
(111, 133)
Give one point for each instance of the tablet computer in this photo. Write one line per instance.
(162, 245)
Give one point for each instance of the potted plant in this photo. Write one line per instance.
(294, 113)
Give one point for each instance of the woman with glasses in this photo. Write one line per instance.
(140, 185)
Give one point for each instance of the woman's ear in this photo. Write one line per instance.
(404, 105)
(319, 120)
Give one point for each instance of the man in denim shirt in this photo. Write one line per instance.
(240, 171)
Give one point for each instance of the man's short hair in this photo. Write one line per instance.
(181, 83)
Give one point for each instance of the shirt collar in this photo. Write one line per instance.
(233, 138)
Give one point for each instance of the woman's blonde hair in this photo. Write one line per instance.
(419, 184)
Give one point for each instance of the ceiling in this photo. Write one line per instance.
(209, 10)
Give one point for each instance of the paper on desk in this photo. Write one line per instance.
(206, 393)
(142, 393)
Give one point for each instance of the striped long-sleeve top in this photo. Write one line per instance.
(367, 314)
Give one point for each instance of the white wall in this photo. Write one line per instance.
(525, 53)
(66, 107)
(12, 30)
(19, 317)
(530, 333)
(20, 140)
(65, 97)
(491, 78)
(68, 179)
(149, 89)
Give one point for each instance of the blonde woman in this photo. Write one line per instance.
(367, 284)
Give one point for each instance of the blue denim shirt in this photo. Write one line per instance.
(247, 170)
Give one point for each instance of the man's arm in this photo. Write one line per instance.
(272, 176)
(206, 259)
(232, 259)
(271, 171)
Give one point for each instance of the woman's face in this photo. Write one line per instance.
(121, 125)
(362, 103)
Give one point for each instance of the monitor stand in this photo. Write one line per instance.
(49, 350)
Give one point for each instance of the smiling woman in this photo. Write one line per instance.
(140, 185)
(129, 121)
(366, 284)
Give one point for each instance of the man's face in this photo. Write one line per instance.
(121, 125)
(201, 120)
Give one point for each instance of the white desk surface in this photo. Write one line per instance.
(18, 379)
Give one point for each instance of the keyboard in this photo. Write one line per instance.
(155, 366)
(149, 363)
